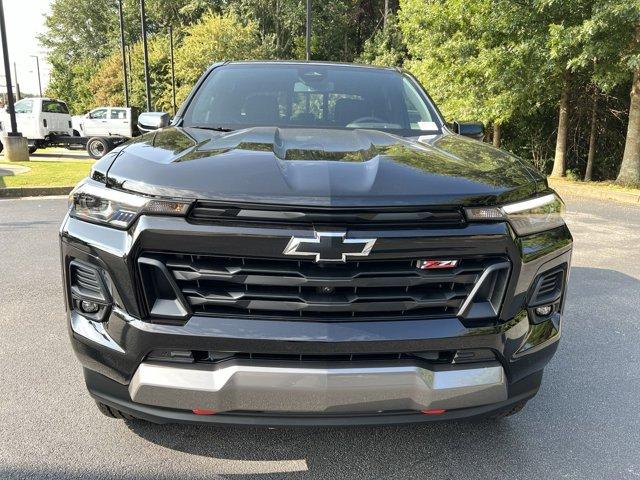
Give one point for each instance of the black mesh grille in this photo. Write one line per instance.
(214, 285)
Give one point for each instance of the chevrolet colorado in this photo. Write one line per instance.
(311, 244)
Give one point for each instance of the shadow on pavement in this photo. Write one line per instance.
(576, 407)
(582, 424)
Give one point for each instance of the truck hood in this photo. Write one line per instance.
(313, 167)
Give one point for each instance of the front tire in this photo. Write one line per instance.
(32, 149)
(111, 412)
(98, 147)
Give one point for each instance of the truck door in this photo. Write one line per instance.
(96, 122)
(119, 122)
(57, 116)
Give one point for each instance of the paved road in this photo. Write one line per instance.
(58, 154)
(584, 423)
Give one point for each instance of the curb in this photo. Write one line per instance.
(16, 192)
(590, 191)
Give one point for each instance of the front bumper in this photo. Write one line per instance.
(117, 395)
(114, 353)
(291, 388)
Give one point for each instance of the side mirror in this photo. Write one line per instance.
(149, 121)
(469, 129)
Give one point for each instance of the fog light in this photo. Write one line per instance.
(89, 307)
(543, 311)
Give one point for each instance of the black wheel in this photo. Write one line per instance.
(98, 147)
(76, 133)
(111, 412)
(32, 149)
(515, 408)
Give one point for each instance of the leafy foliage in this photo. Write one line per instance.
(502, 62)
(213, 39)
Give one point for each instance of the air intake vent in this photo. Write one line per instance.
(86, 282)
(548, 287)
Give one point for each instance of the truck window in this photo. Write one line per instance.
(99, 114)
(24, 106)
(52, 106)
(118, 114)
(311, 96)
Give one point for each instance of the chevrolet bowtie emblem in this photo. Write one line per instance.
(330, 246)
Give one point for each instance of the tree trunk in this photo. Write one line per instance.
(560, 160)
(630, 168)
(497, 135)
(386, 15)
(592, 136)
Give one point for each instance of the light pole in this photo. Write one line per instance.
(38, 70)
(124, 59)
(308, 36)
(15, 76)
(173, 72)
(143, 21)
(15, 144)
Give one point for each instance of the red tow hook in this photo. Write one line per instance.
(433, 411)
(203, 411)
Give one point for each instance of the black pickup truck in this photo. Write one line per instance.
(310, 244)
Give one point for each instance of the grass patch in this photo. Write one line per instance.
(45, 173)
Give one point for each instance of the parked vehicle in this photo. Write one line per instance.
(107, 122)
(311, 243)
(46, 122)
(39, 118)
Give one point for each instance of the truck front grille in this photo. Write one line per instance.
(229, 286)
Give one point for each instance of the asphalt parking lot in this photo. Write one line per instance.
(584, 423)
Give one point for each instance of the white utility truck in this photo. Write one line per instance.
(106, 122)
(46, 122)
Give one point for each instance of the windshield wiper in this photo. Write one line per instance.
(215, 129)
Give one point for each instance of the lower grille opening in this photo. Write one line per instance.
(303, 289)
(215, 357)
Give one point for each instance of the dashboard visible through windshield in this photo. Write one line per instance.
(311, 96)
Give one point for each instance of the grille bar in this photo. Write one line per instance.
(211, 212)
(214, 285)
(252, 272)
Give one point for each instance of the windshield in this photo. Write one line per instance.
(310, 96)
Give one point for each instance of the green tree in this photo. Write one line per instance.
(75, 48)
(386, 48)
(213, 39)
(106, 87)
(280, 23)
(479, 60)
(608, 42)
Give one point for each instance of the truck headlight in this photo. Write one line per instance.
(97, 203)
(526, 217)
